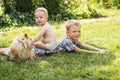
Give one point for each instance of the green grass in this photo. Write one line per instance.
(68, 66)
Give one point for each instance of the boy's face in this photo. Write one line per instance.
(40, 18)
(74, 32)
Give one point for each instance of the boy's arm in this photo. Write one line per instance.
(39, 35)
(89, 47)
(96, 50)
(84, 51)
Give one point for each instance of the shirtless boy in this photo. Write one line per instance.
(46, 34)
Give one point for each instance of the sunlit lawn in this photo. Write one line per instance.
(68, 66)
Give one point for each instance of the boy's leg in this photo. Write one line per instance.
(51, 46)
(38, 52)
(40, 45)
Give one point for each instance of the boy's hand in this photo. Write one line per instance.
(103, 51)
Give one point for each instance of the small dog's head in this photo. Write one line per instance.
(24, 41)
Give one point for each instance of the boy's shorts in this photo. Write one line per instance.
(51, 46)
(38, 52)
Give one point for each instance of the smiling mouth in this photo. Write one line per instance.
(39, 22)
(76, 36)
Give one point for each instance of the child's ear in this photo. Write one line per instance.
(67, 32)
(26, 36)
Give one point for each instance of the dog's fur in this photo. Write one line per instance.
(21, 49)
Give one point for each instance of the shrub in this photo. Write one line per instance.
(22, 18)
(53, 6)
(116, 3)
(17, 19)
(93, 13)
(5, 20)
(107, 3)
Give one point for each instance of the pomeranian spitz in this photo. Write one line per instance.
(21, 49)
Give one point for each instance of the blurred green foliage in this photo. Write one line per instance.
(21, 12)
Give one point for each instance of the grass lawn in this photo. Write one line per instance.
(68, 66)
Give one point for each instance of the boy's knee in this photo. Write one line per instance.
(35, 44)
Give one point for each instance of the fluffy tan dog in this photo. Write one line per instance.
(21, 49)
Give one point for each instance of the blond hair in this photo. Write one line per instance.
(42, 9)
(71, 23)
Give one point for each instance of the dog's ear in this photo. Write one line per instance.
(26, 36)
